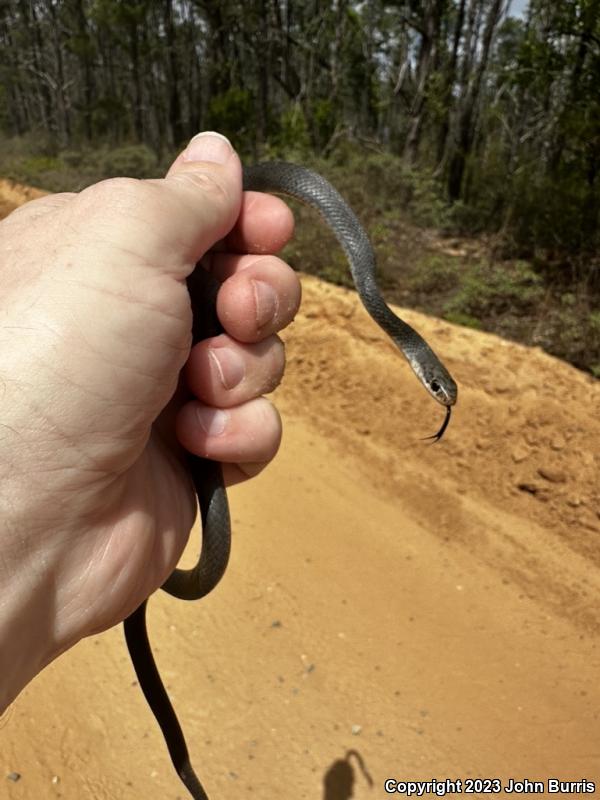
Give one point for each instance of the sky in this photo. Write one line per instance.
(518, 7)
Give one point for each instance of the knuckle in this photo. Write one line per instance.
(118, 196)
(208, 183)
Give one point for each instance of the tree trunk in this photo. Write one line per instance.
(173, 79)
(89, 89)
(467, 114)
(430, 33)
(63, 122)
(448, 87)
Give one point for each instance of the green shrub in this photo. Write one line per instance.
(35, 165)
(323, 121)
(233, 113)
(496, 289)
(39, 170)
(427, 207)
(132, 161)
(594, 322)
(459, 318)
(292, 140)
(435, 273)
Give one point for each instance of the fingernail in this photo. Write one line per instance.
(229, 365)
(208, 146)
(266, 301)
(213, 421)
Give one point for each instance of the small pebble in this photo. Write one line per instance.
(14, 776)
(520, 453)
(552, 475)
(574, 501)
(356, 729)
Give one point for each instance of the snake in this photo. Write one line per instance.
(300, 183)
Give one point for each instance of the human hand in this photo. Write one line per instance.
(95, 503)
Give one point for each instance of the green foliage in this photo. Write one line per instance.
(383, 183)
(37, 165)
(37, 170)
(232, 113)
(74, 158)
(133, 161)
(323, 121)
(72, 170)
(459, 318)
(552, 212)
(572, 332)
(108, 113)
(594, 321)
(435, 273)
(493, 289)
(292, 137)
(335, 269)
(427, 205)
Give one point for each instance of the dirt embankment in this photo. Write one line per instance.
(433, 608)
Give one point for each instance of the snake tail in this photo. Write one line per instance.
(136, 636)
(188, 584)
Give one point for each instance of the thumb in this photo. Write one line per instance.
(169, 222)
(203, 189)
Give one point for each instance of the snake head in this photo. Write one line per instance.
(443, 390)
(439, 383)
(436, 379)
(428, 368)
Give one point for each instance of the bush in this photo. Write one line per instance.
(493, 289)
(292, 140)
(435, 273)
(40, 170)
(73, 169)
(233, 114)
(132, 161)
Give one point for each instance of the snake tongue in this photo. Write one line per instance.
(437, 436)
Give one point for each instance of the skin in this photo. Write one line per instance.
(100, 392)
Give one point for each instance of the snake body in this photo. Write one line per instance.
(310, 188)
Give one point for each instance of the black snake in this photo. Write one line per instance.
(312, 189)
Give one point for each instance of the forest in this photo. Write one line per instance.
(456, 122)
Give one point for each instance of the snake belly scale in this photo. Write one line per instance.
(312, 189)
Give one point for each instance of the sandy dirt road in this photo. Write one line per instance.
(434, 609)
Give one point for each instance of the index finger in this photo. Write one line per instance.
(265, 225)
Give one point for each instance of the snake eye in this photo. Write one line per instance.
(435, 387)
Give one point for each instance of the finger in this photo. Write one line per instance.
(265, 225)
(238, 473)
(259, 296)
(249, 433)
(224, 373)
